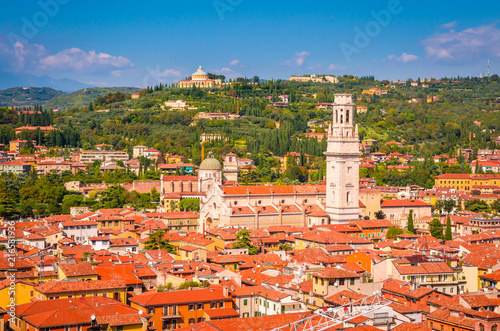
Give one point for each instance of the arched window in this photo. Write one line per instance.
(347, 116)
(341, 119)
(348, 197)
(481, 327)
(336, 115)
(494, 327)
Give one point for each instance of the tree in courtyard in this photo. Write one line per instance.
(243, 241)
(393, 232)
(380, 215)
(436, 228)
(449, 205)
(156, 241)
(286, 247)
(495, 206)
(190, 204)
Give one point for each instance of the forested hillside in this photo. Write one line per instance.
(27, 96)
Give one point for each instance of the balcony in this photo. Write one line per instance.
(383, 321)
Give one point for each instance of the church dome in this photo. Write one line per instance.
(210, 163)
(199, 74)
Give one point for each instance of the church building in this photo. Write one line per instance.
(199, 79)
(259, 206)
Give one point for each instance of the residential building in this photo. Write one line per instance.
(91, 156)
(78, 314)
(16, 167)
(52, 290)
(176, 309)
(16, 145)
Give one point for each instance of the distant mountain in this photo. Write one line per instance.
(83, 97)
(8, 80)
(27, 96)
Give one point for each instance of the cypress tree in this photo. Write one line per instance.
(447, 233)
(411, 227)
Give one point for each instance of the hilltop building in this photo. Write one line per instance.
(315, 78)
(200, 79)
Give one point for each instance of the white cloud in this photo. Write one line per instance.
(298, 60)
(234, 62)
(405, 57)
(336, 67)
(168, 73)
(228, 72)
(449, 25)
(460, 46)
(75, 59)
(23, 57)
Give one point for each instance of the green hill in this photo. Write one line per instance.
(83, 97)
(27, 96)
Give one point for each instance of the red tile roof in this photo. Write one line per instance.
(53, 287)
(151, 299)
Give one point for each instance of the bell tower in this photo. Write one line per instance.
(342, 163)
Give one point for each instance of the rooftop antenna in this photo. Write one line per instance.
(488, 72)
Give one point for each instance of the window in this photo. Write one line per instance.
(213, 305)
(246, 314)
(352, 281)
(191, 306)
(32, 293)
(221, 304)
(245, 302)
(174, 310)
(166, 325)
(494, 328)
(151, 310)
(192, 321)
(118, 328)
(201, 319)
(200, 306)
(481, 327)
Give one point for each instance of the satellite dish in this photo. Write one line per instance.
(336, 284)
(92, 317)
(140, 312)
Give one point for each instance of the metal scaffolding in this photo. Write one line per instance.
(325, 318)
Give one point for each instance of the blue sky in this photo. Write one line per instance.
(129, 43)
